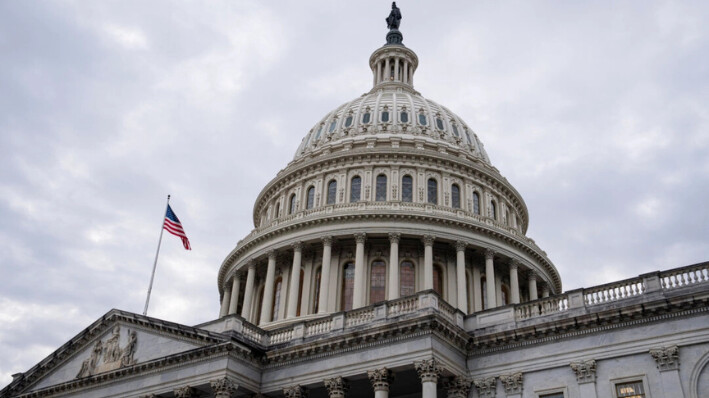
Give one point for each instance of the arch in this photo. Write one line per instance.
(377, 281)
(493, 210)
(407, 278)
(276, 306)
(438, 278)
(381, 188)
(316, 290)
(348, 271)
(355, 189)
(331, 192)
(407, 188)
(310, 198)
(293, 204)
(699, 372)
(432, 191)
(476, 203)
(455, 196)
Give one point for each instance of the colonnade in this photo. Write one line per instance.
(499, 279)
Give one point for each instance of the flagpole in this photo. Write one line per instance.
(155, 264)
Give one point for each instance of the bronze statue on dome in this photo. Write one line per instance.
(394, 18)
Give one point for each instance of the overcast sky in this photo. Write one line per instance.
(595, 111)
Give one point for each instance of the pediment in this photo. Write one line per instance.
(117, 340)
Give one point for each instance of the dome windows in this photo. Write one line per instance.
(319, 132)
(455, 196)
(422, 118)
(432, 191)
(367, 117)
(331, 192)
(407, 189)
(311, 198)
(332, 126)
(381, 191)
(476, 203)
(455, 130)
(348, 121)
(385, 115)
(439, 123)
(293, 205)
(404, 116)
(355, 189)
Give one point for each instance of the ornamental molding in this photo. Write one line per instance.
(458, 386)
(110, 355)
(296, 391)
(224, 387)
(512, 383)
(360, 237)
(428, 370)
(336, 387)
(428, 240)
(585, 371)
(489, 254)
(667, 358)
(460, 245)
(380, 379)
(486, 386)
(394, 237)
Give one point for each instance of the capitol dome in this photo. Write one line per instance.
(388, 195)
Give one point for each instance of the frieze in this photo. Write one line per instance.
(110, 355)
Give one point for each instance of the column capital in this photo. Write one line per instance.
(184, 392)
(460, 245)
(272, 254)
(296, 391)
(585, 371)
(394, 237)
(251, 264)
(489, 254)
(514, 264)
(667, 358)
(428, 240)
(532, 276)
(486, 386)
(297, 246)
(512, 383)
(360, 237)
(224, 387)
(326, 240)
(428, 370)
(458, 386)
(380, 378)
(336, 387)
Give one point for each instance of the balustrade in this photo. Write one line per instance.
(685, 276)
(545, 306)
(359, 317)
(319, 326)
(614, 291)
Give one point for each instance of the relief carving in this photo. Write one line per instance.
(110, 355)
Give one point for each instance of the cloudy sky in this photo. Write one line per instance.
(595, 111)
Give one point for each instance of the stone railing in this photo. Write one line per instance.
(318, 326)
(680, 277)
(541, 307)
(252, 333)
(359, 316)
(403, 305)
(282, 335)
(614, 291)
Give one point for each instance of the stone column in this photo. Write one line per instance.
(477, 290)
(460, 275)
(336, 387)
(428, 371)
(226, 298)
(267, 304)
(490, 279)
(223, 388)
(667, 359)
(428, 262)
(545, 291)
(235, 287)
(358, 293)
(380, 379)
(249, 292)
(325, 274)
(387, 70)
(406, 72)
(378, 77)
(185, 392)
(514, 283)
(458, 387)
(396, 70)
(585, 377)
(486, 386)
(294, 280)
(512, 384)
(533, 295)
(394, 288)
(295, 392)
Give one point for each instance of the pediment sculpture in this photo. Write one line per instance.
(109, 355)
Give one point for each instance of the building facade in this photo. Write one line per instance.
(390, 258)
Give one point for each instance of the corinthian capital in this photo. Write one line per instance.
(486, 386)
(428, 240)
(512, 383)
(380, 378)
(489, 254)
(297, 246)
(272, 255)
(585, 371)
(428, 370)
(460, 246)
(458, 387)
(223, 388)
(336, 387)
(185, 392)
(360, 237)
(295, 392)
(326, 240)
(394, 237)
(667, 358)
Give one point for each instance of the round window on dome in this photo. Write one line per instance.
(366, 118)
(348, 121)
(404, 117)
(439, 123)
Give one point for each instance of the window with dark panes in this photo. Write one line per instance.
(381, 191)
(404, 117)
(385, 116)
(311, 198)
(316, 291)
(292, 204)
(438, 279)
(455, 196)
(439, 123)
(377, 286)
(422, 119)
(476, 203)
(633, 389)
(331, 192)
(407, 279)
(348, 286)
(355, 189)
(432, 191)
(348, 121)
(366, 118)
(407, 189)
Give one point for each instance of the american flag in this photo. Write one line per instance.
(172, 225)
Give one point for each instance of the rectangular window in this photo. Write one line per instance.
(553, 395)
(632, 389)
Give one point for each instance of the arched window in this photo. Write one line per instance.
(348, 286)
(476, 203)
(355, 189)
(455, 196)
(300, 291)
(331, 192)
(493, 210)
(277, 298)
(293, 205)
(407, 279)
(316, 290)
(377, 286)
(432, 191)
(381, 191)
(438, 279)
(407, 189)
(311, 198)
(278, 210)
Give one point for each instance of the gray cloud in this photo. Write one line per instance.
(595, 112)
